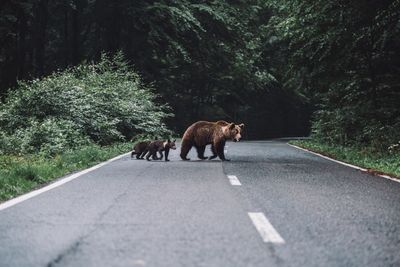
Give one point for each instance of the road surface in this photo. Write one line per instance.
(280, 206)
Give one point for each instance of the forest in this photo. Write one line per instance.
(283, 67)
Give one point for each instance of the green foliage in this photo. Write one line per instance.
(369, 158)
(205, 58)
(19, 175)
(101, 103)
(344, 57)
(49, 137)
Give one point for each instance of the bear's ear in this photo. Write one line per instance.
(169, 140)
(241, 125)
(174, 140)
(231, 126)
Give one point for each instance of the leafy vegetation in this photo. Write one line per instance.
(99, 103)
(344, 57)
(374, 161)
(20, 174)
(270, 64)
(203, 57)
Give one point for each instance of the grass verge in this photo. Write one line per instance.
(375, 162)
(21, 174)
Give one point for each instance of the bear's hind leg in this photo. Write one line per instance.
(185, 148)
(138, 155)
(150, 154)
(200, 152)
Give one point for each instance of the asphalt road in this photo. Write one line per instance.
(138, 213)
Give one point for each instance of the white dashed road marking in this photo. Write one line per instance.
(234, 180)
(265, 228)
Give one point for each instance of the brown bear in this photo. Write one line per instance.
(140, 149)
(202, 133)
(160, 146)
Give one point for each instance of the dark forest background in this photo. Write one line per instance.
(274, 65)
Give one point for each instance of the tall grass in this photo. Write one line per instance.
(376, 161)
(21, 174)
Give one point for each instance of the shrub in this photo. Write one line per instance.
(98, 103)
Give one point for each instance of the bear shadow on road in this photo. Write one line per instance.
(198, 161)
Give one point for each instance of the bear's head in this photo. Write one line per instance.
(233, 131)
(171, 144)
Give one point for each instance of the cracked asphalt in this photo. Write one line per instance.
(139, 213)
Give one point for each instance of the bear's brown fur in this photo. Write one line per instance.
(160, 146)
(202, 133)
(140, 149)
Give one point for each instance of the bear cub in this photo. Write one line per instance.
(140, 149)
(160, 146)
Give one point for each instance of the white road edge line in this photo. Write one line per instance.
(265, 228)
(234, 180)
(344, 163)
(58, 183)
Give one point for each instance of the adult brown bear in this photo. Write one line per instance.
(202, 133)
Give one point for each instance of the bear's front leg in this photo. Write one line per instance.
(214, 152)
(220, 151)
(200, 152)
(166, 154)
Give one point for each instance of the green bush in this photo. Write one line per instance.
(348, 127)
(98, 103)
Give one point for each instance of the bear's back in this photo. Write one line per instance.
(203, 127)
(141, 146)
